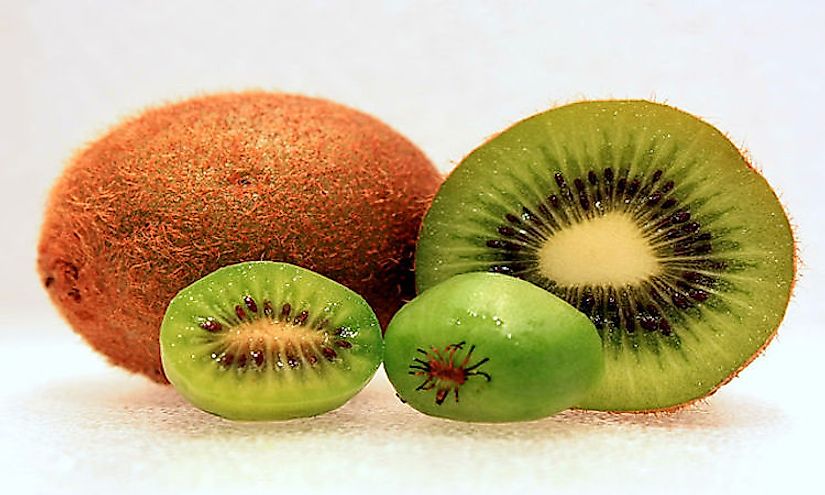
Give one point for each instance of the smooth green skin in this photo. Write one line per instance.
(272, 394)
(515, 168)
(544, 355)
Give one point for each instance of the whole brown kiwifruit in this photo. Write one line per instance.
(181, 190)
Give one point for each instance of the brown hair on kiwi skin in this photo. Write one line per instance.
(181, 190)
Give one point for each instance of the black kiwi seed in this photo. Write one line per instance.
(258, 357)
(592, 178)
(286, 310)
(226, 359)
(250, 303)
(507, 231)
(301, 318)
(211, 325)
(329, 353)
(291, 355)
(239, 312)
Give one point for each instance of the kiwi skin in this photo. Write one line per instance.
(181, 190)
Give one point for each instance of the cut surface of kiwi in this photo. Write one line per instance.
(266, 340)
(646, 219)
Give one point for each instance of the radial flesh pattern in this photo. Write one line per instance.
(647, 220)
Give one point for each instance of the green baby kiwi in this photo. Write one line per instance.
(491, 348)
(643, 217)
(267, 341)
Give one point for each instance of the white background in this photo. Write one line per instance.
(447, 76)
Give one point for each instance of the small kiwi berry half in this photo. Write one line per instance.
(265, 340)
(646, 219)
(492, 348)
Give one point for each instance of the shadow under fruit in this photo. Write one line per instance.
(181, 190)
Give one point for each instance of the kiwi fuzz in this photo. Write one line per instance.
(644, 218)
(173, 194)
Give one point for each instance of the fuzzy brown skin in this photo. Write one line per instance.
(182, 190)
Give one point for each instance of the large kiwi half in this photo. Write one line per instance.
(265, 340)
(646, 219)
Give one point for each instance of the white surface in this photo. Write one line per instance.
(448, 77)
(78, 426)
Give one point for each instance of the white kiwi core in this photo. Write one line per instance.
(273, 336)
(605, 250)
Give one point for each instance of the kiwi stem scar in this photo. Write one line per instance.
(443, 371)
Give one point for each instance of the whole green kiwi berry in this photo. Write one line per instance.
(265, 340)
(491, 348)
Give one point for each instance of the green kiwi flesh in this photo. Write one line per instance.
(266, 341)
(646, 219)
(491, 348)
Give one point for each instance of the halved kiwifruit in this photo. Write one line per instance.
(265, 340)
(647, 220)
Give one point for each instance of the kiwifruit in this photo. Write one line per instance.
(265, 340)
(487, 347)
(646, 219)
(181, 190)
